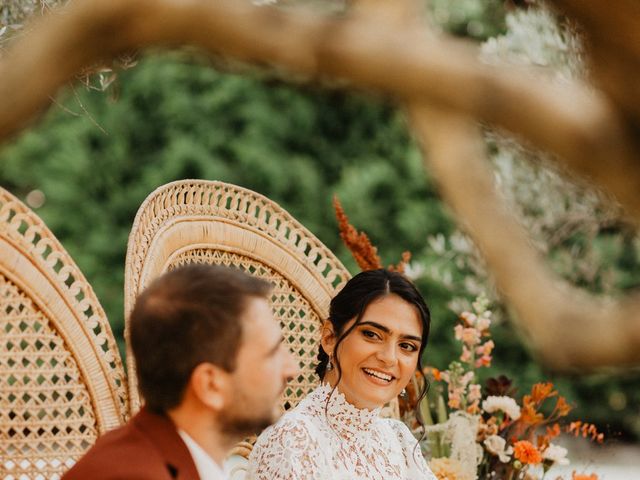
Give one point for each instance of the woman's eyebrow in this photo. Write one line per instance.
(387, 330)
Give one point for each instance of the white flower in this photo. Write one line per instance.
(495, 445)
(414, 270)
(483, 323)
(556, 454)
(469, 318)
(505, 404)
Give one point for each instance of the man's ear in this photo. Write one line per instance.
(328, 337)
(209, 383)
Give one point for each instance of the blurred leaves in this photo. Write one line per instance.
(176, 118)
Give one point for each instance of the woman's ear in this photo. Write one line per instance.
(328, 338)
(208, 385)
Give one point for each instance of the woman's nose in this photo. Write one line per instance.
(387, 354)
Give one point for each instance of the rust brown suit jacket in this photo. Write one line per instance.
(147, 448)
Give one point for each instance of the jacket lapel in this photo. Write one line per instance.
(163, 434)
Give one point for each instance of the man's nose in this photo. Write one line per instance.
(293, 367)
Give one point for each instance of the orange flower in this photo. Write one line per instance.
(585, 430)
(448, 469)
(487, 428)
(542, 391)
(553, 431)
(528, 413)
(578, 476)
(358, 243)
(436, 374)
(527, 453)
(399, 267)
(474, 408)
(542, 442)
(562, 407)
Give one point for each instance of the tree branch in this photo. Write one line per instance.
(613, 42)
(367, 50)
(592, 133)
(566, 327)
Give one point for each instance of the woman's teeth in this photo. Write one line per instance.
(380, 375)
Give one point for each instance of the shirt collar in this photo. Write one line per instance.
(208, 469)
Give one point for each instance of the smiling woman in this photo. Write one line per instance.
(377, 329)
(371, 345)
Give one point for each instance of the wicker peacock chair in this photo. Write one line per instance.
(62, 381)
(214, 222)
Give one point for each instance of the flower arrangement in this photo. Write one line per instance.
(514, 438)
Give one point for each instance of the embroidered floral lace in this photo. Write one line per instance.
(341, 443)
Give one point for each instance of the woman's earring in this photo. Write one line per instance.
(329, 365)
(403, 393)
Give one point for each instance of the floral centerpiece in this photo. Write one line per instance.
(514, 438)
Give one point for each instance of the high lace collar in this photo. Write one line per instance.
(344, 418)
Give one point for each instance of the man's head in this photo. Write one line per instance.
(193, 332)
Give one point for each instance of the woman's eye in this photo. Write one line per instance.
(409, 347)
(369, 334)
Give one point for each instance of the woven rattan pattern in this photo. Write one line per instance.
(46, 409)
(218, 199)
(26, 230)
(298, 320)
(56, 395)
(252, 216)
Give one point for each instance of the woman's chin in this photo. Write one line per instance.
(372, 401)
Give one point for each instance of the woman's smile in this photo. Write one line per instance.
(378, 377)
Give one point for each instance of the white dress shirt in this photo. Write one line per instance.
(207, 468)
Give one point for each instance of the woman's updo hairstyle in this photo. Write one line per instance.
(352, 301)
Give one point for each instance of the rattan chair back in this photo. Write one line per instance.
(62, 381)
(217, 223)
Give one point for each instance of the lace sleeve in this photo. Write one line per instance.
(416, 464)
(289, 450)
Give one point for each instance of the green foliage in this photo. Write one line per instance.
(174, 119)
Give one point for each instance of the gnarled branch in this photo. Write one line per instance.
(368, 50)
(592, 132)
(566, 327)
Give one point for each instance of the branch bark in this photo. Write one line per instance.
(613, 42)
(592, 133)
(369, 51)
(566, 327)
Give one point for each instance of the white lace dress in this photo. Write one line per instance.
(343, 443)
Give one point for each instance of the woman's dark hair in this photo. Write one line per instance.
(352, 301)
